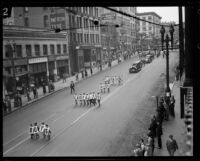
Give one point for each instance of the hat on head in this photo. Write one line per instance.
(171, 136)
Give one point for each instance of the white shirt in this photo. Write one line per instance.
(42, 127)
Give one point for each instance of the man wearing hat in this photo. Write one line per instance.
(171, 145)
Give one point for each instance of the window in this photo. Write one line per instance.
(28, 50)
(73, 21)
(74, 36)
(37, 50)
(8, 51)
(52, 49)
(64, 48)
(45, 50)
(85, 38)
(149, 18)
(58, 48)
(18, 51)
(45, 21)
(26, 22)
(81, 37)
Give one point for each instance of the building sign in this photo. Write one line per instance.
(62, 57)
(37, 60)
(108, 16)
(20, 62)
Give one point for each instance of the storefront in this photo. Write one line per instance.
(37, 70)
(62, 66)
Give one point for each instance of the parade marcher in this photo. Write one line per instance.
(88, 99)
(31, 132)
(98, 98)
(80, 98)
(172, 145)
(36, 131)
(84, 99)
(72, 87)
(171, 106)
(76, 98)
(41, 128)
(159, 133)
(94, 99)
(47, 132)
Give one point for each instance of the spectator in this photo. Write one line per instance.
(35, 92)
(138, 150)
(153, 126)
(150, 145)
(159, 134)
(171, 145)
(91, 71)
(4, 106)
(86, 74)
(44, 88)
(142, 146)
(171, 106)
(28, 94)
(8, 104)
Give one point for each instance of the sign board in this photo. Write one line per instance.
(37, 60)
(62, 57)
(6, 12)
(108, 16)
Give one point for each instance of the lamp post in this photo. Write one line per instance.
(171, 31)
(162, 31)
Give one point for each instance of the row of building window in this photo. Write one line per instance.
(29, 52)
(84, 38)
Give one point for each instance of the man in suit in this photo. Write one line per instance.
(171, 145)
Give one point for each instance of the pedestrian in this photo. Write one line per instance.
(44, 88)
(41, 128)
(86, 74)
(159, 133)
(153, 126)
(98, 98)
(177, 72)
(4, 106)
(31, 132)
(171, 145)
(28, 94)
(171, 106)
(91, 71)
(94, 99)
(72, 87)
(91, 96)
(35, 92)
(8, 104)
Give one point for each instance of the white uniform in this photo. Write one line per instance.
(35, 129)
(42, 127)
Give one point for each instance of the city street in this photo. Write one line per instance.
(85, 131)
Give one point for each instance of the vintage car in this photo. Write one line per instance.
(149, 58)
(136, 67)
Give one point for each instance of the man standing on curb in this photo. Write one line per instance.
(171, 145)
(159, 133)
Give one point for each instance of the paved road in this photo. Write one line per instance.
(82, 131)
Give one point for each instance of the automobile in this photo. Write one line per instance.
(136, 67)
(148, 58)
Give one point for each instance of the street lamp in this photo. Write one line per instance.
(162, 31)
(171, 31)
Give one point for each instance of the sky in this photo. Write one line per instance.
(167, 13)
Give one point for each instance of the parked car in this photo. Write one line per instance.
(136, 67)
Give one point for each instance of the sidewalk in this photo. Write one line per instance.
(59, 85)
(174, 126)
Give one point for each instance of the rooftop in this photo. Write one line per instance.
(148, 13)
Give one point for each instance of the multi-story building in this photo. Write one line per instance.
(149, 34)
(126, 32)
(76, 22)
(33, 55)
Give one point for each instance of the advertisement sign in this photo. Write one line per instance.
(37, 60)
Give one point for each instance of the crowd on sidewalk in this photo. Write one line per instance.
(146, 145)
